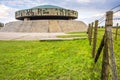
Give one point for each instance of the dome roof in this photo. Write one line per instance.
(46, 12)
(46, 6)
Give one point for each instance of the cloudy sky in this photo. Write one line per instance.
(89, 10)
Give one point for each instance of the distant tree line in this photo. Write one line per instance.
(1, 24)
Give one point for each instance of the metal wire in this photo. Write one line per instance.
(115, 7)
(101, 22)
(116, 19)
(102, 19)
(109, 10)
(116, 11)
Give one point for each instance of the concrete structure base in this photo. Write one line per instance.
(45, 26)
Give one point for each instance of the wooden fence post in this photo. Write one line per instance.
(116, 33)
(105, 62)
(111, 46)
(95, 39)
(108, 47)
(91, 30)
(88, 31)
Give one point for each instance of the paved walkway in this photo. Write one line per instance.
(28, 36)
(34, 36)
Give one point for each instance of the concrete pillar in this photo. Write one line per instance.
(26, 19)
(70, 19)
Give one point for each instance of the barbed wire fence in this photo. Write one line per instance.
(106, 43)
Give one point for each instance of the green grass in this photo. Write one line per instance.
(48, 60)
(51, 60)
(73, 35)
(77, 33)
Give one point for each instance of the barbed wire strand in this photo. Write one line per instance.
(101, 22)
(116, 11)
(115, 7)
(110, 10)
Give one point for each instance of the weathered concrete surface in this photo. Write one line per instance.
(54, 26)
(28, 36)
(46, 12)
(45, 26)
(34, 36)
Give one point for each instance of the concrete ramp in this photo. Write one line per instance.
(40, 26)
(54, 26)
(73, 26)
(25, 26)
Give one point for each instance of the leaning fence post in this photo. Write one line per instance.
(99, 49)
(95, 39)
(116, 33)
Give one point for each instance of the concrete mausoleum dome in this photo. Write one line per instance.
(46, 12)
(45, 19)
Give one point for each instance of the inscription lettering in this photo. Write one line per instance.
(38, 12)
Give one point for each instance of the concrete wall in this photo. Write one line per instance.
(45, 26)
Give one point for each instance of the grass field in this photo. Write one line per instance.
(74, 34)
(51, 60)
